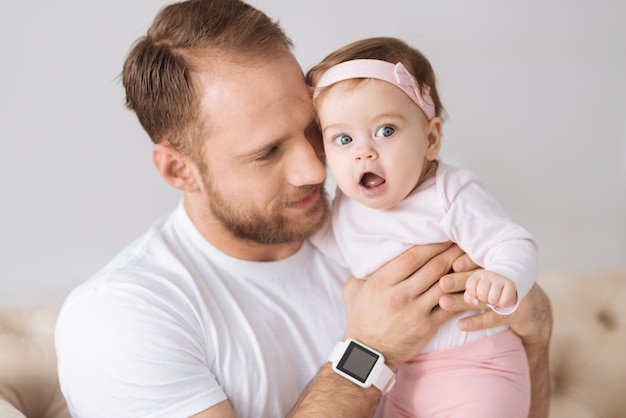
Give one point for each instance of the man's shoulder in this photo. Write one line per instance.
(145, 262)
(145, 283)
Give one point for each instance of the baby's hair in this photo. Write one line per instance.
(388, 49)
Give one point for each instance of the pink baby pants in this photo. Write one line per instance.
(487, 378)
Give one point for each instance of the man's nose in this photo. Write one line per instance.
(305, 167)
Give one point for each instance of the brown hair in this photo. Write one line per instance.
(158, 73)
(388, 49)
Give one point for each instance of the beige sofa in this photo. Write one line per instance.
(588, 352)
(28, 378)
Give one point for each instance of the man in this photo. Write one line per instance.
(224, 308)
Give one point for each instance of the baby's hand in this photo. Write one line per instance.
(485, 286)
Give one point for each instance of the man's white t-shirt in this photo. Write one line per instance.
(173, 326)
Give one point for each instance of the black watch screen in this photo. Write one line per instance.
(357, 361)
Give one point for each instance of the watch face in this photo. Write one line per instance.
(357, 361)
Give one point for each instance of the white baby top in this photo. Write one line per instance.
(452, 206)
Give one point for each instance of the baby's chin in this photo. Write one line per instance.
(382, 199)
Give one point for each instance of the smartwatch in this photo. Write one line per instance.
(362, 365)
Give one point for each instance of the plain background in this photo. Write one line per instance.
(535, 92)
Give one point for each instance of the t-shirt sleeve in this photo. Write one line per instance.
(124, 352)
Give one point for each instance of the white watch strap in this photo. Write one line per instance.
(337, 351)
(384, 379)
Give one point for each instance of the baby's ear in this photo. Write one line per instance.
(433, 134)
(175, 168)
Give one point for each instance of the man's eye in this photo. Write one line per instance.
(385, 131)
(267, 155)
(343, 140)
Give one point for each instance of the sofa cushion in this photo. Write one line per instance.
(28, 382)
(588, 346)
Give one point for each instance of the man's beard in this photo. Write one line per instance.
(274, 227)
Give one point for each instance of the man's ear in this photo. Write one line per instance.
(175, 168)
(433, 133)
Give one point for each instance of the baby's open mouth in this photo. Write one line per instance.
(371, 180)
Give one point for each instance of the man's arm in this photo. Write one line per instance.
(395, 311)
(534, 326)
(532, 321)
(330, 395)
(221, 410)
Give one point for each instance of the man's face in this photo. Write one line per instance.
(264, 175)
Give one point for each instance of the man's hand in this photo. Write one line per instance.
(532, 320)
(395, 310)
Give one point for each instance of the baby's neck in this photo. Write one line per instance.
(429, 170)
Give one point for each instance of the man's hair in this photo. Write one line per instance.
(388, 49)
(159, 71)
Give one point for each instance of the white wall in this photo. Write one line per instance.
(535, 91)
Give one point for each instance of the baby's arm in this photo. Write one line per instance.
(477, 222)
(485, 286)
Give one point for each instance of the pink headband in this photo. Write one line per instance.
(382, 70)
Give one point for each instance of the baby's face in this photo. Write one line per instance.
(376, 141)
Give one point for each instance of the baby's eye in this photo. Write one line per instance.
(385, 131)
(343, 140)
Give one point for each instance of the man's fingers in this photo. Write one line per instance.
(487, 319)
(454, 282)
(409, 262)
(464, 263)
(432, 271)
(454, 303)
(484, 320)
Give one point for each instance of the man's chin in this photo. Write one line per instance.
(318, 225)
(319, 215)
(304, 225)
(280, 228)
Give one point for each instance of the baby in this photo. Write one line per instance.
(380, 117)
